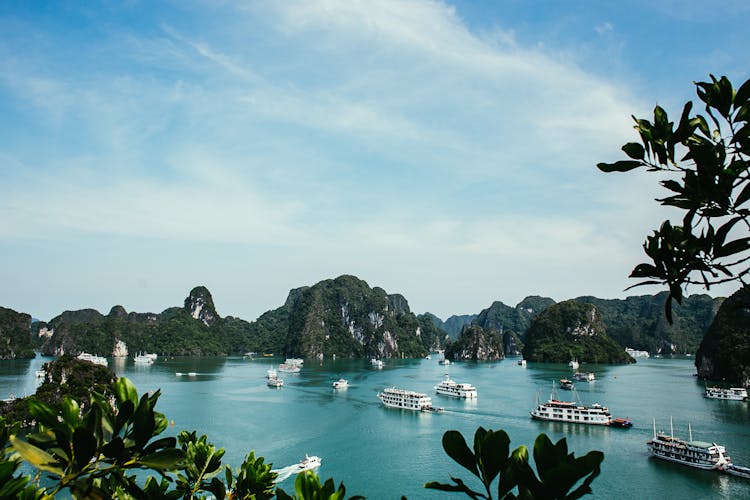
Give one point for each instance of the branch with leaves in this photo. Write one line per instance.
(705, 162)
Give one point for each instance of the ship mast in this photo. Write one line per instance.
(671, 427)
(690, 430)
(654, 427)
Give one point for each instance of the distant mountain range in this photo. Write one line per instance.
(346, 317)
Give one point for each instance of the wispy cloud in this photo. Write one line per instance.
(389, 129)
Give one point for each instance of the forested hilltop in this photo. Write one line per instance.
(16, 339)
(637, 322)
(346, 317)
(343, 316)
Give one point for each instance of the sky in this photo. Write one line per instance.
(442, 150)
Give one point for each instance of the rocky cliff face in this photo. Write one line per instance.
(200, 305)
(639, 321)
(476, 344)
(346, 317)
(571, 330)
(724, 353)
(15, 335)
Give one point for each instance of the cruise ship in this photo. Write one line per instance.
(573, 412)
(708, 456)
(407, 400)
(98, 360)
(450, 388)
(584, 376)
(289, 367)
(733, 393)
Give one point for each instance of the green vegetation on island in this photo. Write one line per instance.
(16, 339)
(724, 354)
(476, 344)
(571, 330)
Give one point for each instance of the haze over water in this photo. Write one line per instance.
(386, 453)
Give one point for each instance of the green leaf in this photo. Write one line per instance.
(71, 412)
(456, 448)
(733, 247)
(634, 150)
(84, 446)
(43, 413)
(167, 459)
(125, 391)
(619, 166)
(743, 94)
(36, 456)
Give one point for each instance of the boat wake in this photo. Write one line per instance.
(284, 473)
(308, 463)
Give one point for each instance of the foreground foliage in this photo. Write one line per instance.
(95, 450)
(558, 472)
(705, 164)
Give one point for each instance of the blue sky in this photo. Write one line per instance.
(442, 150)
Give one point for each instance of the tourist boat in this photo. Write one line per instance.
(636, 354)
(143, 359)
(289, 367)
(341, 384)
(708, 456)
(573, 412)
(573, 364)
(98, 360)
(450, 388)
(275, 382)
(294, 361)
(584, 376)
(622, 423)
(566, 384)
(376, 363)
(522, 362)
(736, 470)
(308, 463)
(407, 400)
(733, 393)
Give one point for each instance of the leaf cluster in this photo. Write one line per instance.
(559, 474)
(705, 160)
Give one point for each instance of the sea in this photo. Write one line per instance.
(384, 453)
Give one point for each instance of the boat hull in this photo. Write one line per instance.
(680, 461)
(567, 421)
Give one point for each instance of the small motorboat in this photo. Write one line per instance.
(308, 463)
(275, 382)
(622, 423)
(341, 384)
(566, 384)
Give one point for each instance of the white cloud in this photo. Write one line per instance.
(357, 129)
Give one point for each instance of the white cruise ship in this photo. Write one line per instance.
(584, 376)
(692, 453)
(573, 412)
(98, 360)
(636, 354)
(289, 367)
(450, 388)
(406, 400)
(733, 393)
(144, 359)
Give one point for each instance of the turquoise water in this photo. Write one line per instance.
(386, 453)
